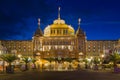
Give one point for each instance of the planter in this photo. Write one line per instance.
(10, 69)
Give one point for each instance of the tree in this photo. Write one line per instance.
(86, 63)
(50, 60)
(115, 57)
(33, 61)
(9, 58)
(96, 61)
(69, 60)
(26, 60)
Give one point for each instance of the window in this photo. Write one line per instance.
(19, 50)
(88, 49)
(54, 31)
(57, 31)
(65, 31)
(51, 31)
(79, 47)
(60, 31)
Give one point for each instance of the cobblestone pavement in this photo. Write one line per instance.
(61, 75)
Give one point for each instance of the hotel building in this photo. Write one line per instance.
(59, 40)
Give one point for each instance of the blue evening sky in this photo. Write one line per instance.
(100, 18)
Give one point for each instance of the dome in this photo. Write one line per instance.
(59, 28)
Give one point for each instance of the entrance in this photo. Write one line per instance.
(56, 65)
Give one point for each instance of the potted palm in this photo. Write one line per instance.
(9, 58)
(96, 61)
(33, 61)
(70, 61)
(26, 60)
(50, 60)
(115, 57)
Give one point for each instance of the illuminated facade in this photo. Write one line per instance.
(59, 40)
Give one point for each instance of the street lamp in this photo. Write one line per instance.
(19, 55)
(102, 55)
(19, 58)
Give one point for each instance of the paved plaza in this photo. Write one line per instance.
(61, 75)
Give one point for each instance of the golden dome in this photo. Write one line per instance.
(59, 28)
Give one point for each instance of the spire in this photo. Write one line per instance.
(38, 31)
(39, 23)
(58, 12)
(79, 20)
(79, 31)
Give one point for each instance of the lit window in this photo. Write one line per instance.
(88, 49)
(51, 31)
(19, 49)
(54, 31)
(57, 31)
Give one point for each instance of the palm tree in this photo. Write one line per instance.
(115, 57)
(33, 61)
(96, 61)
(26, 60)
(86, 63)
(50, 60)
(69, 60)
(9, 58)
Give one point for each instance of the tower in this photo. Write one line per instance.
(37, 40)
(38, 32)
(81, 39)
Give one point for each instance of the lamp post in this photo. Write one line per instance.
(102, 57)
(19, 56)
